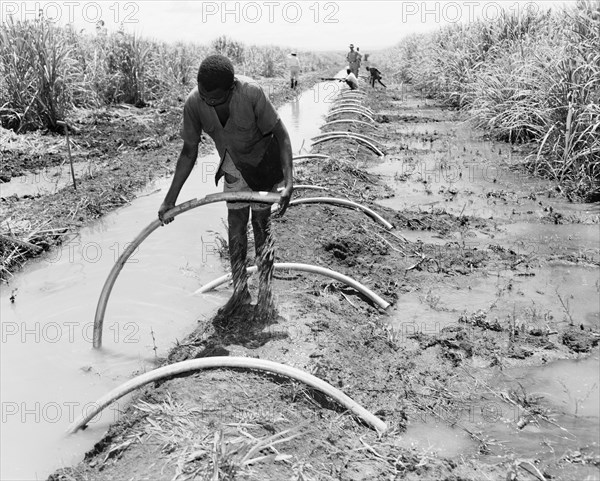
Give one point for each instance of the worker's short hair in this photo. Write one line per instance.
(216, 71)
(348, 70)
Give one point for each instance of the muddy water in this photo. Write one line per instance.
(440, 166)
(49, 372)
(47, 181)
(568, 390)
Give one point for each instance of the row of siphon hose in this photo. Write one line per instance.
(348, 102)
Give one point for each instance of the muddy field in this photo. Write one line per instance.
(476, 299)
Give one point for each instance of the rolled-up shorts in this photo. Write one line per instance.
(240, 185)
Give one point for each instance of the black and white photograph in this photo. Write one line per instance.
(300, 240)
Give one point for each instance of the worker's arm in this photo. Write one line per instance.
(185, 164)
(285, 155)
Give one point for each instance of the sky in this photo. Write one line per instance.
(299, 25)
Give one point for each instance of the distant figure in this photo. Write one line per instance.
(375, 74)
(353, 59)
(366, 58)
(359, 61)
(101, 30)
(294, 64)
(351, 80)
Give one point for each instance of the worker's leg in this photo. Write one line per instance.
(237, 219)
(265, 255)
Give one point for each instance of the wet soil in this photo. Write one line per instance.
(430, 358)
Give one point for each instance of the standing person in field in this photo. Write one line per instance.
(359, 61)
(353, 60)
(294, 65)
(256, 155)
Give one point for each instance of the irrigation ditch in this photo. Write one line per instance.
(483, 367)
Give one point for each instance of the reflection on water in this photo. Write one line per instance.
(565, 393)
(571, 387)
(304, 115)
(568, 392)
(295, 104)
(47, 181)
(438, 438)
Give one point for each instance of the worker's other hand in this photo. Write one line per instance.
(165, 206)
(284, 199)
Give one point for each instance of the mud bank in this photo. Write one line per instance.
(462, 367)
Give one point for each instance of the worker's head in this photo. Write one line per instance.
(215, 79)
(348, 71)
(351, 46)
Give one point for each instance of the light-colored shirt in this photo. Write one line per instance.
(293, 61)
(245, 135)
(352, 81)
(353, 57)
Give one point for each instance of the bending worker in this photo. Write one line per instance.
(374, 74)
(256, 155)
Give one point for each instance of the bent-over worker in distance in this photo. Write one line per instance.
(375, 74)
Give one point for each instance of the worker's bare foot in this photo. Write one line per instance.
(235, 303)
(265, 313)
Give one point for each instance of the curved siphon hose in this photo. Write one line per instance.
(306, 268)
(268, 198)
(230, 362)
(342, 121)
(347, 132)
(336, 110)
(344, 202)
(349, 135)
(349, 111)
(348, 100)
(345, 104)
